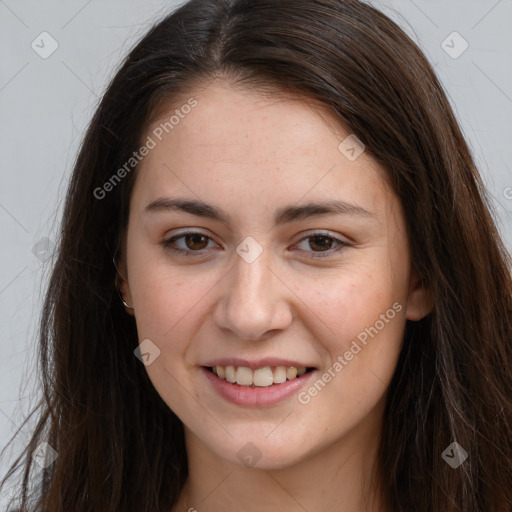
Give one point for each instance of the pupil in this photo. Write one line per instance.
(194, 238)
(322, 239)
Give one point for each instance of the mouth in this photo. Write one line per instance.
(262, 385)
(264, 377)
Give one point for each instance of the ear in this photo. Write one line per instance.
(420, 301)
(122, 284)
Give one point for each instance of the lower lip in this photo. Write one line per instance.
(256, 396)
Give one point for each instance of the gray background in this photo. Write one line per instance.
(45, 105)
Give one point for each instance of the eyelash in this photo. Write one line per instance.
(167, 244)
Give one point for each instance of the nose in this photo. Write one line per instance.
(255, 303)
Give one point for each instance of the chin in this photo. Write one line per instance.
(262, 453)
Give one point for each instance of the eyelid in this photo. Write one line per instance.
(191, 231)
(322, 232)
(341, 244)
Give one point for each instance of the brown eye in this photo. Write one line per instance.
(196, 241)
(321, 242)
(191, 243)
(321, 245)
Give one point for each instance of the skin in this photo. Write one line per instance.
(250, 154)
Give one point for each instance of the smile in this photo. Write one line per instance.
(260, 377)
(259, 387)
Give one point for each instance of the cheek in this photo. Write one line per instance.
(363, 310)
(353, 298)
(166, 303)
(164, 293)
(366, 321)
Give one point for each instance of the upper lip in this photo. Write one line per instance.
(259, 363)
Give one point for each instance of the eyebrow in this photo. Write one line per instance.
(283, 215)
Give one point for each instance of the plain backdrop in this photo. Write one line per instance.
(46, 103)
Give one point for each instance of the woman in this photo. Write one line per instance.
(198, 351)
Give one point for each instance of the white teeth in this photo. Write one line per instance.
(230, 374)
(280, 374)
(261, 377)
(291, 373)
(244, 376)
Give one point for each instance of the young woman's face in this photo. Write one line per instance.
(267, 281)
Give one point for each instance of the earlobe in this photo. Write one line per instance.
(123, 286)
(420, 301)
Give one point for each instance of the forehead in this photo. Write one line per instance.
(245, 144)
(231, 117)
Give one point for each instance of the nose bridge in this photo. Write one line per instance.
(252, 303)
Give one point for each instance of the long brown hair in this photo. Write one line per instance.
(99, 410)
